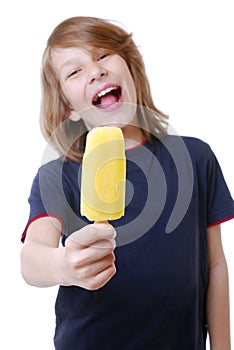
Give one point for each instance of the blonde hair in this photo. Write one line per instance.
(96, 33)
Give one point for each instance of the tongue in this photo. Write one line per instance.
(108, 100)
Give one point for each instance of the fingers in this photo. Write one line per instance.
(89, 256)
(87, 272)
(98, 235)
(98, 281)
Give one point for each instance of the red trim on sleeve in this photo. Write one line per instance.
(221, 221)
(36, 218)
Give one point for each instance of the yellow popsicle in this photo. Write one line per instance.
(103, 175)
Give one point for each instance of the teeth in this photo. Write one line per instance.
(106, 91)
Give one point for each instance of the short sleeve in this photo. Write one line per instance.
(48, 196)
(220, 205)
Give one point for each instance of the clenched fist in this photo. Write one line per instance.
(89, 256)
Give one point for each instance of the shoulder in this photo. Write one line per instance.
(57, 174)
(190, 141)
(58, 166)
(197, 148)
(195, 143)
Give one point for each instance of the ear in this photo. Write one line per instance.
(74, 116)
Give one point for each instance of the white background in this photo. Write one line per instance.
(188, 51)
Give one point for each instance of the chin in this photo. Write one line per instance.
(117, 124)
(121, 117)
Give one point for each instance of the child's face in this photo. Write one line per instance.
(98, 86)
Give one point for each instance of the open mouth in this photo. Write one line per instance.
(107, 97)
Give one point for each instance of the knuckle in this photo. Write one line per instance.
(113, 269)
(113, 257)
(84, 274)
(94, 286)
(100, 280)
(73, 261)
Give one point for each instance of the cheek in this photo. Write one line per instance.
(74, 96)
(130, 85)
(132, 89)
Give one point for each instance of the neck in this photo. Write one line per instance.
(133, 136)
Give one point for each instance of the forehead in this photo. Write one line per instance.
(63, 57)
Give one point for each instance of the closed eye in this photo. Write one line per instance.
(74, 72)
(102, 57)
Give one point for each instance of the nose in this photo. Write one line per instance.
(96, 72)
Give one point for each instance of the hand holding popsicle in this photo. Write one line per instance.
(89, 256)
(89, 253)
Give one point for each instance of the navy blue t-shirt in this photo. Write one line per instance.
(157, 299)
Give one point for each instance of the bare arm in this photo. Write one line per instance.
(218, 293)
(87, 260)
